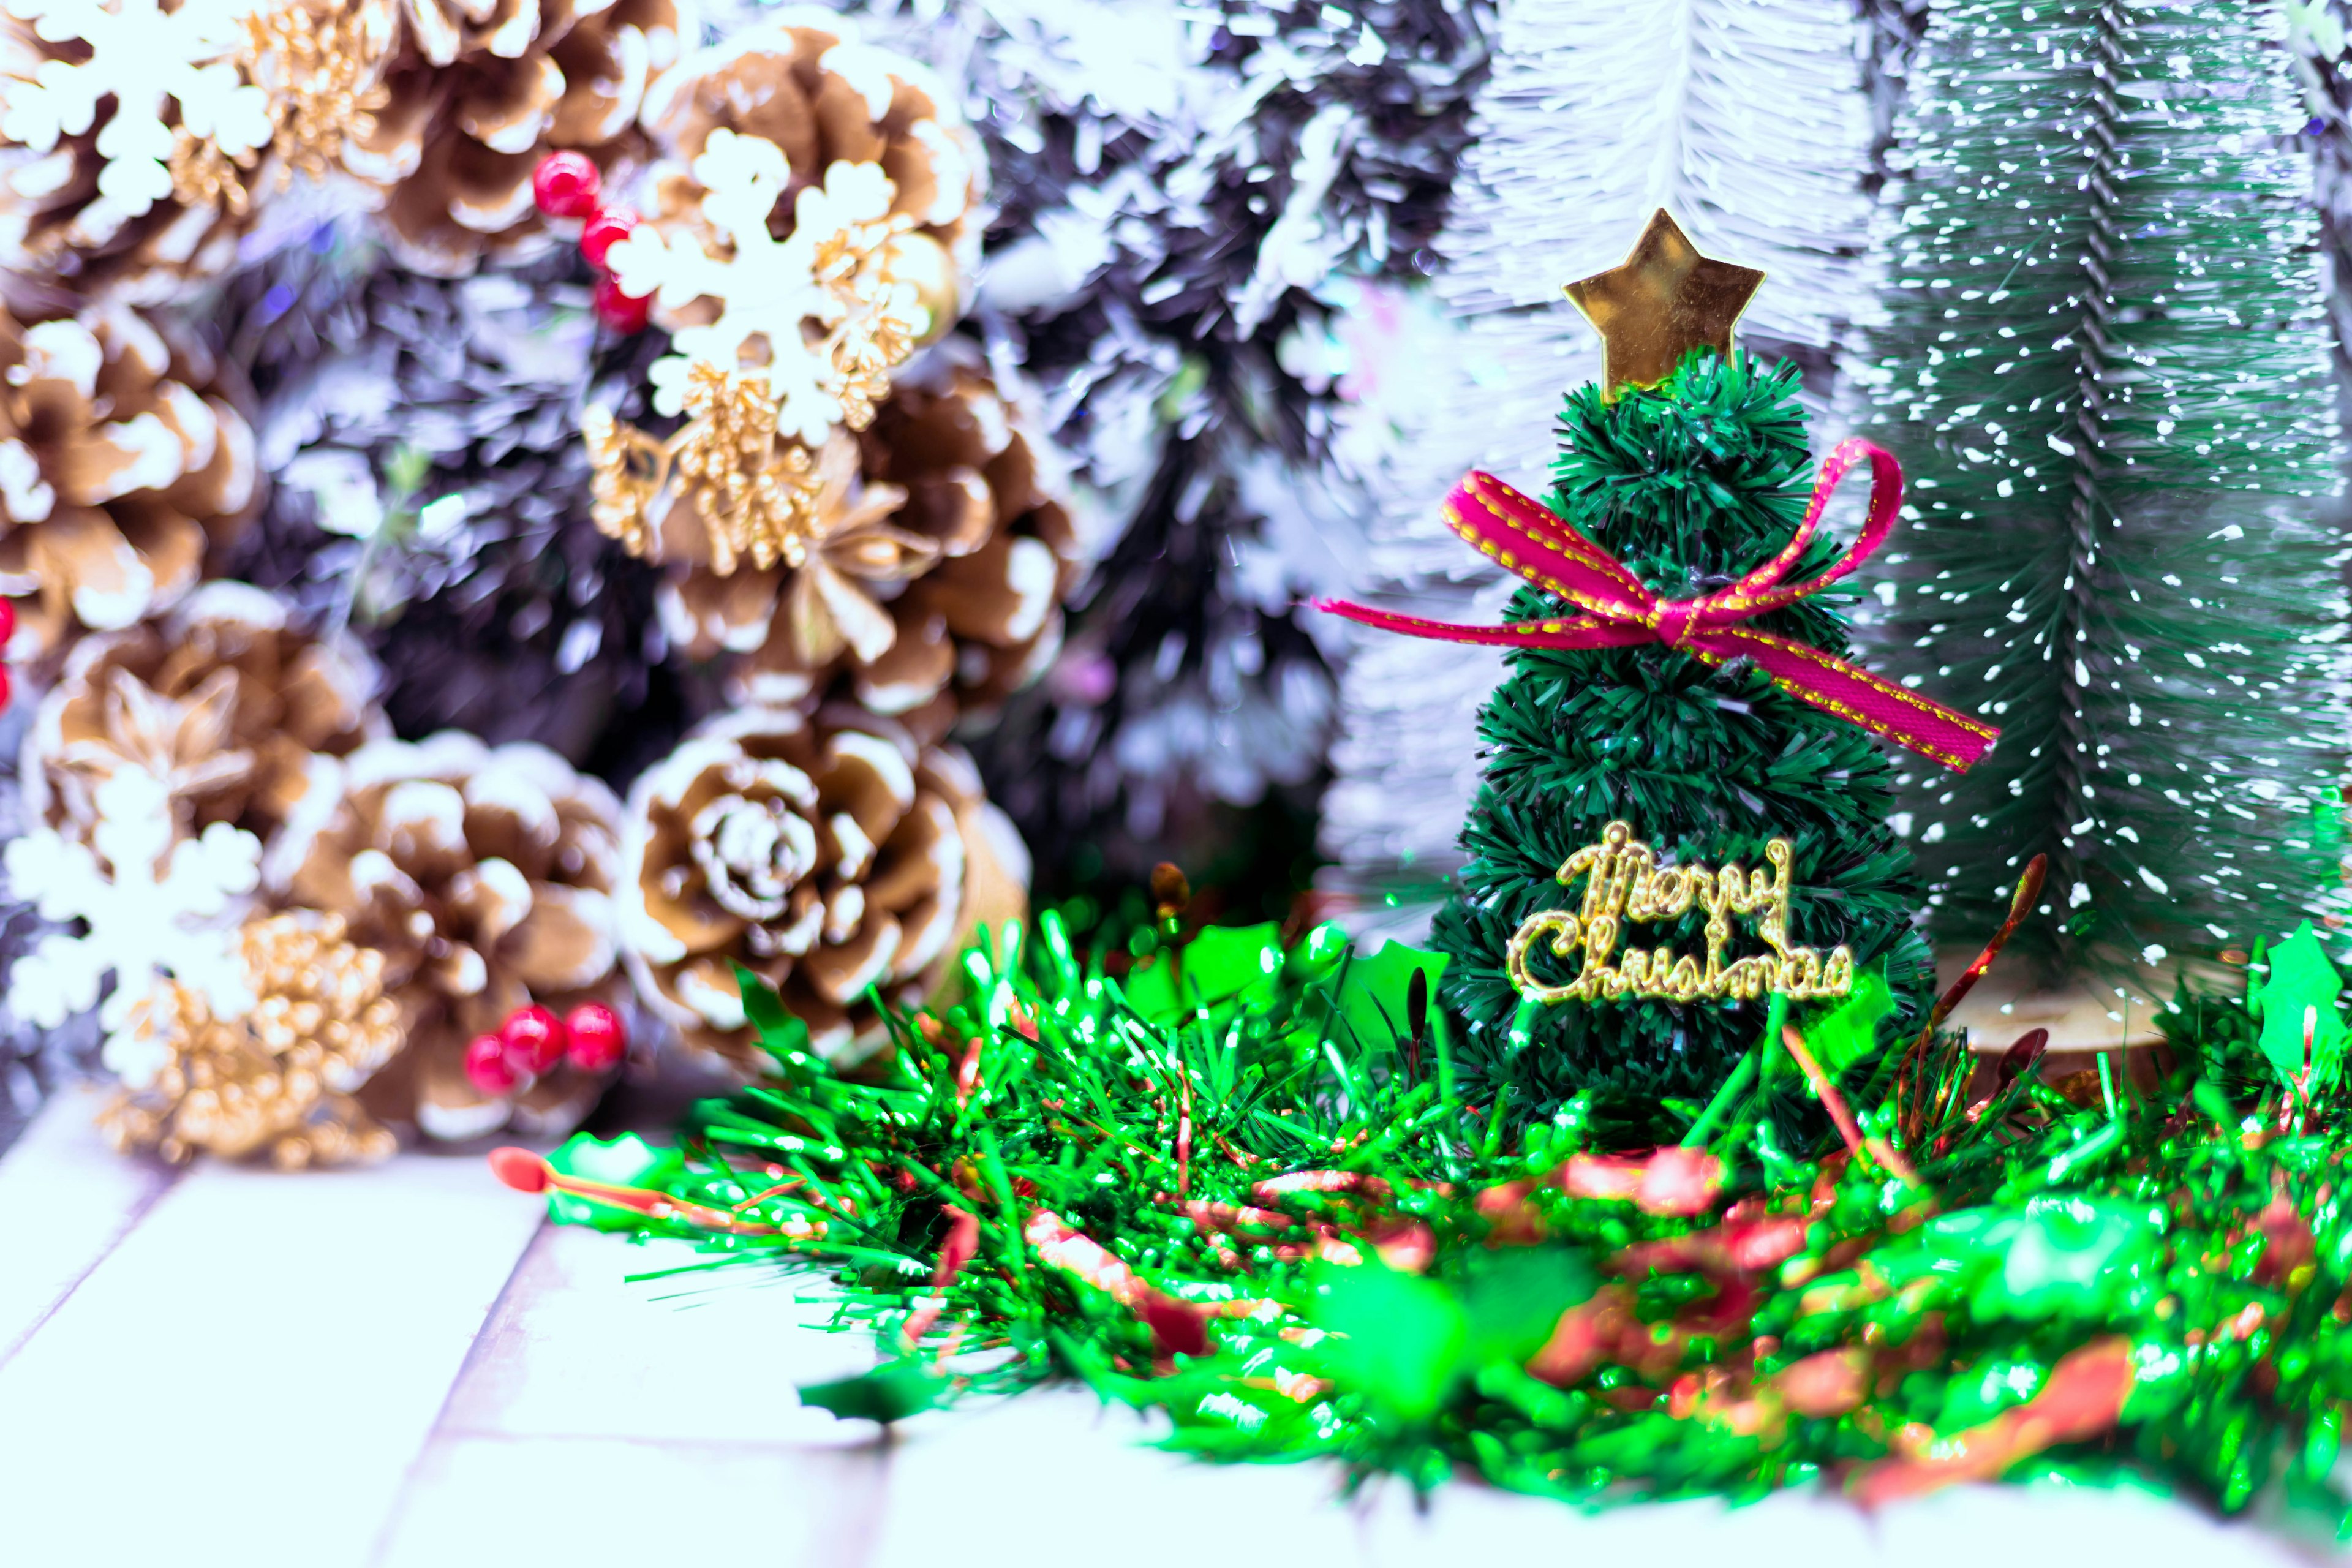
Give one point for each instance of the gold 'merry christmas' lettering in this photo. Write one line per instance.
(1622, 881)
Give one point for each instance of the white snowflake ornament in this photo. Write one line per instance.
(768, 289)
(151, 905)
(146, 59)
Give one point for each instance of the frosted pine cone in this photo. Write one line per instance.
(125, 459)
(933, 583)
(810, 87)
(485, 878)
(141, 136)
(237, 712)
(480, 93)
(825, 855)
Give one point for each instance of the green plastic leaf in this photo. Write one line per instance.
(2303, 981)
(1514, 1296)
(1848, 1032)
(1397, 1337)
(1317, 953)
(1372, 995)
(888, 1394)
(1220, 967)
(628, 1161)
(781, 1036)
(2063, 1254)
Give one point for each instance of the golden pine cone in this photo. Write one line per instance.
(480, 93)
(237, 712)
(125, 459)
(825, 855)
(89, 220)
(277, 1079)
(809, 86)
(485, 877)
(960, 609)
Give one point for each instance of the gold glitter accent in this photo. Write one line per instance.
(756, 493)
(1664, 300)
(205, 176)
(279, 1078)
(1623, 882)
(322, 74)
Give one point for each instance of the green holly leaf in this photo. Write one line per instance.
(1848, 1032)
(1372, 1001)
(1397, 1338)
(628, 1161)
(2302, 983)
(1513, 1297)
(1221, 967)
(888, 1394)
(2064, 1255)
(781, 1036)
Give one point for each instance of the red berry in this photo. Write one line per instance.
(566, 185)
(622, 312)
(3, 688)
(598, 1040)
(534, 1039)
(606, 229)
(7, 621)
(487, 1069)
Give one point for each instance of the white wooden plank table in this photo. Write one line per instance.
(405, 1367)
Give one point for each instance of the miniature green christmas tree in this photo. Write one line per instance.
(1688, 465)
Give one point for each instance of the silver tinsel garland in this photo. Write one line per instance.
(1178, 189)
(433, 491)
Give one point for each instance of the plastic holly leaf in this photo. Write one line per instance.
(2064, 1255)
(2303, 985)
(888, 1394)
(628, 1161)
(1848, 1032)
(1512, 1300)
(1395, 1337)
(781, 1036)
(1317, 954)
(1221, 966)
(1987, 1389)
(1374, 995)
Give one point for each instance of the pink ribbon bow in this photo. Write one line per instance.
(1531, 539)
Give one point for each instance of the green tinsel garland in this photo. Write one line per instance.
(1236, 1186)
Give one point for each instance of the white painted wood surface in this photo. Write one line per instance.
(404, 1368)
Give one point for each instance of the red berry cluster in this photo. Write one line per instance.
(533, 1041)
(566, 185)
(7, 630)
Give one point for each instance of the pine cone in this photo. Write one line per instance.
(480, 94)
(941, 564)
(123, 460)
(824, 97)
(111, 197)
(485, 878)
(278, 1076)
(824, 855)
(239, 714)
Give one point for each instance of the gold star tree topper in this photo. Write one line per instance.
(1663, 302)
